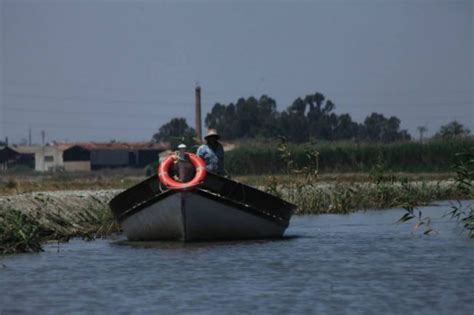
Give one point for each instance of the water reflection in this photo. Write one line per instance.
(202, 244)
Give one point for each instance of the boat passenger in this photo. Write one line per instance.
(182, 168)
(212, 153)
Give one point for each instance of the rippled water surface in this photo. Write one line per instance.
(343, 264)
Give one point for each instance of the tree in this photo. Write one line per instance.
(320, 118)
(452, 130)
(422, 130)
(294, 127)
(176, 131)
(309, 118)
(345, 128)
(248, 118)
(378, 128)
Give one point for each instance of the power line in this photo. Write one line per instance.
(88, 87)
(189, 102)
(75, 126)
(434, 104)
(101, 100)
(63, 112)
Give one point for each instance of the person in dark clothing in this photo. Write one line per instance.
(182, 169)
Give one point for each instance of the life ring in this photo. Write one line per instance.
(166, 180)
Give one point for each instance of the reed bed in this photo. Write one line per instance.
(28, 220)
(384, 189)
(264, 158)
(345, 197)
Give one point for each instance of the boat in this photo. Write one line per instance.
(218, 208)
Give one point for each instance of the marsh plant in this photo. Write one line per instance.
(382, 189)
(263, 157)
(26, 231)
(19, 233)
(104, 224)
(464, 168)
(422, 221)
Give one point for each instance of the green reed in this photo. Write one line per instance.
(383, 188)
(464, 169)
(21, 232)
(264, 157)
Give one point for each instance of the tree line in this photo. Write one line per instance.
(307, 119)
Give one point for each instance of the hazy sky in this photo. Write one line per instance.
(102, 70)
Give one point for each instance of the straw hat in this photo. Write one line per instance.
(212, 133)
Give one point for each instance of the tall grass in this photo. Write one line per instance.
(433, 156)
(382, 189)
(346, 197)
(19, 233)
(464, 168)
(26, 231)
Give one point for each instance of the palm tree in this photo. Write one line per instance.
(422, 130)
(452, 130)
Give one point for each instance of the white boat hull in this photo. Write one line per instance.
(190, 216)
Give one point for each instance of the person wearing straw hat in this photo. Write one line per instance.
(212, 153)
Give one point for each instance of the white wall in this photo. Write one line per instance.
(49, 158)
(77, 166)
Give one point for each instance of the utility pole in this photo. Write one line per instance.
(43, 150)
(29, 136)
(198, 113)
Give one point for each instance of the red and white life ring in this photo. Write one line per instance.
(166, 180)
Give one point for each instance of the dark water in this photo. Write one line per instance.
(361, 263)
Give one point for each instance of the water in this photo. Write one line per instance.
(361, 263)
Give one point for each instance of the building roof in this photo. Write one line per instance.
(26, 149)
(7, 150)
(120, 146)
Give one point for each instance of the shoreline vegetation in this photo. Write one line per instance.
(266, 157)
(30, 219)
(35, 208)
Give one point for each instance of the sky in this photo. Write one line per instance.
(101, 70)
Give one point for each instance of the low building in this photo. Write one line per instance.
(27, 155)
(49, 158)
(77, 159)
(17, 156)
(8, 158)
(93, 156)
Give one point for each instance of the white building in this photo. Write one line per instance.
(50, 158)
